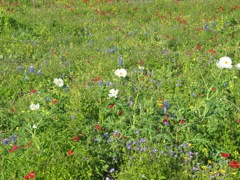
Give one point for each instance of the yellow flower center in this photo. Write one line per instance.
(120, 73)
(226, 62)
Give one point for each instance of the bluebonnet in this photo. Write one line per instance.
(106, 135)
(31, 69)
(14, 138)
(5, 141)
(110, 51)
(120, 61)
(115, 48)
(207, 28)
(39, 72)
(213, 24)
(100, 83)
(20, 68)
(67, 63)
(165, 106)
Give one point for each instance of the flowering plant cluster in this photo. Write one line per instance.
(119, 90)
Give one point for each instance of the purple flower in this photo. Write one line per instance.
(129, 146)
(39, 72)
(20, 68)
(5, 141)
(31, 69)
(100, 83)
(121, 61)
(165, 105)
(142, 140)
(207, 28)
(14, 138)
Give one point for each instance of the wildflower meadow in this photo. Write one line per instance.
(119, 89)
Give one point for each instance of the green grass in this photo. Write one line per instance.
(172, 119)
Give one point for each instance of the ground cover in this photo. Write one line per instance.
(113, 89)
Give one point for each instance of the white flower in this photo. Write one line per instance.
(59, 82)
(34, 106)
(113, 93)
(238, 66)
(224, 62)
(121, 73)
(141, 67)
(34, 126)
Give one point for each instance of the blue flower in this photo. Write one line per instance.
(5, 141)
(31, 69)
(39, 72)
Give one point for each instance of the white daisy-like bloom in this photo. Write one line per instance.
(34, 126)
(113, 93)
(34, 106)
(59, 82)
(121, 73)
(224, 62)
(237, 66)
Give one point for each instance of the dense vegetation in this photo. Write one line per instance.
(113, 89)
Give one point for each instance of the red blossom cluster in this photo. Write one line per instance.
(15, 147)
(30, 175)
(234, 164)
(70, 153)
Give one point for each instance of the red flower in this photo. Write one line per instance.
(111, 106)
(181, 121)
(234, 164)
(120, 113)
(213, 89)
(76, 138)
(12, 109)
(198, 47)
(30, 175)
(13, 148)
(70, 153)
(97, 79)
(184, 22)
(225, 155)
(238, 121)
(33, 91)
(235, 7)
(98, 127)
(54, 101)
(212, 51)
